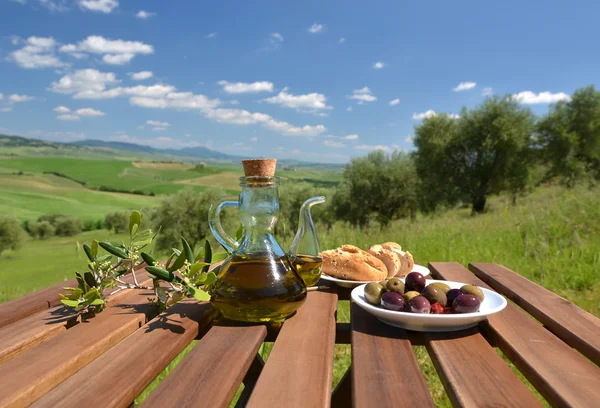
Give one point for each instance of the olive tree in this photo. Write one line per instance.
(11, 234)
(486, 151)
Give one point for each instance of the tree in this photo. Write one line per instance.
(569, 136)
(117, 221)
(11, 234)
(67, 226)
(41, 229)
(487, 151)
(380, 185)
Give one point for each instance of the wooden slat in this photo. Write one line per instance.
(218, 362)
(385, 371)
(301, 361)
(17, 309)
(42, 326)
(30, 375)
(575, 326)
(250, 380)
(473, 374)
(117, 377)
(563, 376)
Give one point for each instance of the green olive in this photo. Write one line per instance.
(395, 285)
(409, 295)
(445, 288)
(373, 293)
(473, 290)
(435, 295)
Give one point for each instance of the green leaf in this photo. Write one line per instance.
(92, 294)
(97, 302)
(187, 250)
(108, 247)
(80, 281)
(134, 230)
(210, 278)
(199, 294)
(160, 273)
(176, 251)
(120, 272)
(103, 258)
(94, 248)
(70, 303)
(134, 219)
(207, 255)
(197, 266)
(88, 252)
(169, 260)
(141, 244)
(239, 233)
(148, 259)
(219, 257)
(199, 256)
(178, 262)
(89, 279)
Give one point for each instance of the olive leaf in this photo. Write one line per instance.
(161, 273)
(88, 251)
(199, 294)
(207, 255)
(148, 259)
(134, 219)
(187, 250)
(239, 233)
(94, 248)
(110, 248)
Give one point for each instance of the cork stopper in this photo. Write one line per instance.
(259, 167)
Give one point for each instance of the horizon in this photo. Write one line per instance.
(311, 80)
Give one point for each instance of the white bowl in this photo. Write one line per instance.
(352, 284)
(492, 303)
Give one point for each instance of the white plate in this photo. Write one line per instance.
(352, 284)
(492, 303)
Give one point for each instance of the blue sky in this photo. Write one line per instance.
(313, 80)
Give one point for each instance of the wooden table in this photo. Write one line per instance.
(51, 359)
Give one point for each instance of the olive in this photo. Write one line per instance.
(373, 293)
(395, 285)
(473, 290)
(392, 301)
(466, 304)
(414, 281)
(419, 304)
(384, 284)
(453, 294)
(435, 295)
(409, 295)
(441, 285)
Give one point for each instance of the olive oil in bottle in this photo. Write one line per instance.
(308, 267)
(257, 288)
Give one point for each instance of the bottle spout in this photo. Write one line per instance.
(306, 241)
(309, 203)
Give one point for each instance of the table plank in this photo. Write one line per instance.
(385, 371)
(32, 330)
(117, 377)
(19, 308)
(301, 362)
(575, 326)
(30, 375)
(563, 376)
(218, 362)
(473, 374)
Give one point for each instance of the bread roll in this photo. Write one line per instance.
(390, 258)
(392, 246)
(352, 263)
(406, 259)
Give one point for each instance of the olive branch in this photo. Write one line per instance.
(185, 273)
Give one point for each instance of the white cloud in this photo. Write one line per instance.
(373, 147)
(453, 115)
(349, 137)
(349, 109)
(211, 35)
(144, 14)
(409, 139)
(464, 86)
(311, 101)
(277, 37)
(84, 81)
(61, 109)
(115, 52)
(244, 87)
(140, 76)
(363, 95)
(157, 125)
(531, 98)
(37, 53)
(254, 139)
(332, 143)
(15, 98)
(1, 96)
(341, 40)
(273, 42)
(420, 116)
(394, 102)
(316, 28)
(101, 6)
(89, 112)
(234, 102)
(68, 116)
(378, 65)
(6, 109)
(487, 91)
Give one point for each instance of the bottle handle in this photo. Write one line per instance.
(214, 221)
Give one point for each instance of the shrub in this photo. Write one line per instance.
(67, 226)
(11, 234)
(117, 221)
(41, 229)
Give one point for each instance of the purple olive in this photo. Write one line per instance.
(419, 304)
(453, 294)
(466, 304)
(414, 281)
(392, 301)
